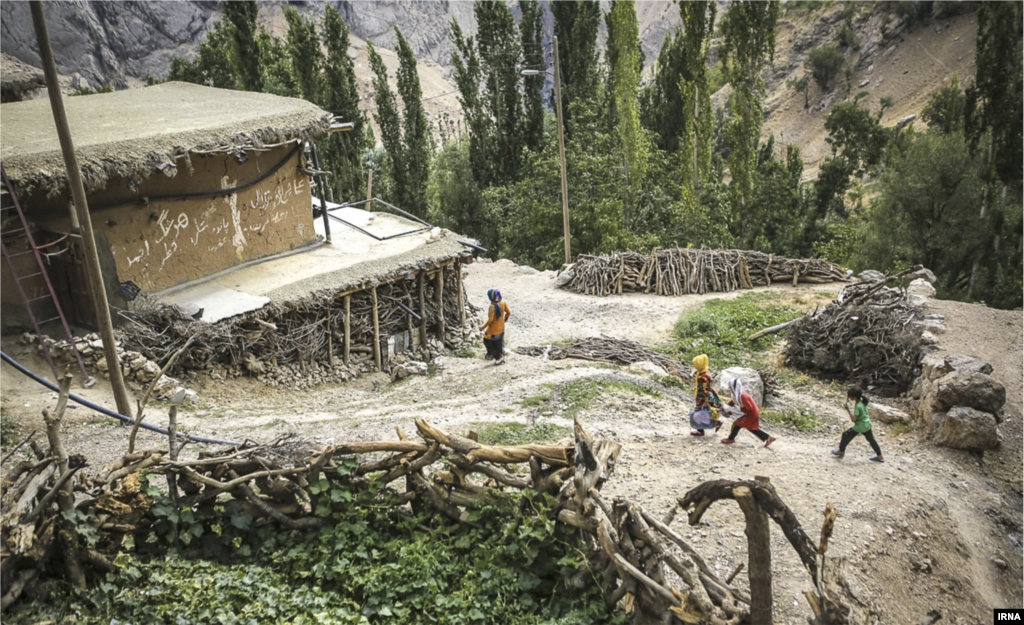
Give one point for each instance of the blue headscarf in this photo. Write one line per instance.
(494, 295)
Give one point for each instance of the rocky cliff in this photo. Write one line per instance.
(119, 43)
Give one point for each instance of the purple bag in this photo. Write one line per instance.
(701, 419)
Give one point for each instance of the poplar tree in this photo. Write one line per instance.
(389, 122)
(576, 26)
(749, 40)
(341, 97)
(304, 49)
(248, 60)
(624, 57)
(532, 43)
(500, 52)
(695, 97)
(416, 138)
(468, 75)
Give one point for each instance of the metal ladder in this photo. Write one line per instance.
(8, 202)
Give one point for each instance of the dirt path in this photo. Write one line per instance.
(931, 528)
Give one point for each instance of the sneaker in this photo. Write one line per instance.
(727, 441)
(838, 454)
(876, 459)
(771, 439)
(696, 432)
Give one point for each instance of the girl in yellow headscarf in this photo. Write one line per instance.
(708, 405)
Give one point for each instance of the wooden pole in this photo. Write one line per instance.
(94, 275)
(462, 295)
(376, 330)
(348, 327)
(760, 555)
(561, 153)
(330, 341)
(440, 304)
(369, 191)
(423, 308)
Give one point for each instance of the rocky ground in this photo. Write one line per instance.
(931, 528)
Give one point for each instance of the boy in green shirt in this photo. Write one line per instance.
(861, 425)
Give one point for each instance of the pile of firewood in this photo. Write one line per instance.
(638, 559)
(608, 349)
(685, 271)
(308, 332)
(870, 333)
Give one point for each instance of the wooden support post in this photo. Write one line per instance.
(376, 330)
(348, 327)
(93, 273)
(330, 339)
(760, 555)
(439, 291)
(423, 308)
(369, 191)
(462, 295)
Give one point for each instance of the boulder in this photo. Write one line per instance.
(922, 287)
(646, 366)
(920, 274)
(970, 389)
(564, 276)
(408, 369)
(870, 275)
(966, 428)
(750, 379)
(887, 414)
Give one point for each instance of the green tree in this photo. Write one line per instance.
(454, 198)
(416, 136)
(945, 109)
(343, 151)
(825, 63)
(532, 43)
(695, 93)
(623, 44)
(576, 26)
(994, 127)
(278, 77)
(213, 65)
(801, 85)
(926, 211)
(748, 31)
(242, 16)
(304, 49)
(390, 124)
(468, 76)
(500, 51)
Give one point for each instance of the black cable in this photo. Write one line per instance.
(110, 413)
(182, 196)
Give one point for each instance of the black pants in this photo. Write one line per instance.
(850, 434)
(495, 347)
(736, 430)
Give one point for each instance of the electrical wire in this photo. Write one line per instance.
(110, 413)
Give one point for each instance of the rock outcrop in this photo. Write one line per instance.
(958, 402)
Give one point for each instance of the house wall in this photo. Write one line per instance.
(169, 240)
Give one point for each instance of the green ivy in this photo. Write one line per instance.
(370, 565)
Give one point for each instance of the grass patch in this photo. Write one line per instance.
(720, 328)
(899, 429)
(273, 423)
(672, 381)
(580, 394)
(793, 419)
(516, 433)
(535, 400)
(465, 352)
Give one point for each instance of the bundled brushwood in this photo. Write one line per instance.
(308, 332)
(608, 349)
(687, 271)
(869, 333)
(637, 558)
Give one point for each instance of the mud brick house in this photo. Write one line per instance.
(183, 181)
(203, 210)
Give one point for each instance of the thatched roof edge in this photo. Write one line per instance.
(98, 168)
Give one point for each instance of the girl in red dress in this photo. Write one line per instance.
(751, 419)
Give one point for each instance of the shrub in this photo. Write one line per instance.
(825, 63)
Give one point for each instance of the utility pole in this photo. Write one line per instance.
(561, 154)
(93, 274)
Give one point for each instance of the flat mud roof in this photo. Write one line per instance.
(352, 259)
